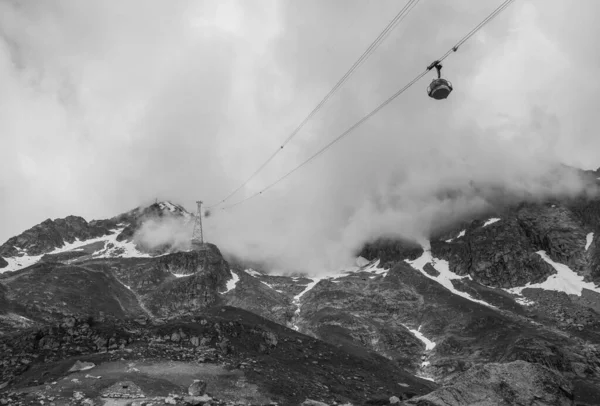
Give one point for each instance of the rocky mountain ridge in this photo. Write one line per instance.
(74, 238)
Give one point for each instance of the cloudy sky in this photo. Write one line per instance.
(105, 106)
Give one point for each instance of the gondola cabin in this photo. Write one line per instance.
(439, 89)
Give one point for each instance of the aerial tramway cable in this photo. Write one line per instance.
(492, 15)
(366, 54)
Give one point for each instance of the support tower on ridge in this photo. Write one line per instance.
(197, 235)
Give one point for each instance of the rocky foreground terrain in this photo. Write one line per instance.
(501, 308)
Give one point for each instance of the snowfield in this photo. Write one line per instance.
(565, 280)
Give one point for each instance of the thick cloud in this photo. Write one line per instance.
(106, 106)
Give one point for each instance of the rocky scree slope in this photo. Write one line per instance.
(231, 349)
(514, 383)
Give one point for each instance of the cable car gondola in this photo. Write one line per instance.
(439, 88)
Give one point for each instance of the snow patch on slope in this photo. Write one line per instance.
(181, 275)
(372, 267)
(127, 247)
(429, 345)
(491, 221)
(252, 272)
(296, 301)
(167, 205)
(461, 234)
(565, 280)
(588, 241)
(174, 208)
(306, 289)
(445, 277)
(369, 267)
(271, 286)
(232, 283)
(16, 263)
(523, 301)
(121, 249)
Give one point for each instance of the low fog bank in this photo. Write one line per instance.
(283, 238)
(156, 233)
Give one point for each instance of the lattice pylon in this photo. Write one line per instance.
(197, 234)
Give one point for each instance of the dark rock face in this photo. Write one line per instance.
(209, 275)
(362, 312)
(68, 291)
(62, 256)
(253, 295)
(388, 251)
(515, 383)
(595, 260)
(50, 235)
(3, 263)
(172, 284)
(119, 288)
(503, 254)
(431, 270)
(3, 299)
(498, 255)
(557, 231)
(587, 209)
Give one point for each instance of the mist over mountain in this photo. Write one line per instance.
(413, 210)
(393, 246)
